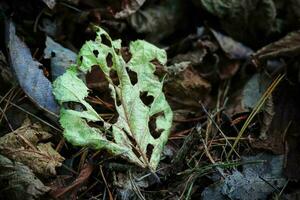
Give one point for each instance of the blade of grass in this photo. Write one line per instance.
(255, 110)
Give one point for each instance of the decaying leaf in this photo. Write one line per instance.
(245, 98)
(32, 80)
(254, 182)
(268, 114)
(23, 145)
(130, 7)
(139, 101)
(234, 49)
(243, 19)
(17, 181)
(288, 46)
(157, 21)
(61, 58)
(183, 77)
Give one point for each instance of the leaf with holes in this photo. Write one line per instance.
(145, 117)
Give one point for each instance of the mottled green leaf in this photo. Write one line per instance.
(132, 137)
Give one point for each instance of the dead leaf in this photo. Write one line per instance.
(32, 80)
(288, 46)
(61, 58)
(23, 145)
(129, 7)
(234, 49)
(18, 182)
(192, 87)
(268, 114)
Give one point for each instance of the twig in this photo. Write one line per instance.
(255, 110)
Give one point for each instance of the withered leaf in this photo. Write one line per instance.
(32, 80)
(23, 145)
(288, 46)
(18, 182)
(129, 8)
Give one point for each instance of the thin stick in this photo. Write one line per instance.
(217, 126)
(256, 109)
(31, 114)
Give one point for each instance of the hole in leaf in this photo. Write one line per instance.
(160, 70)
(109, 60)
(126, 54)
(149, 151)
(81, 58)
(146, 99)
(96, 52)
(53, 54)
(98, 124)
(110, 129)
(114, 77)
(105, 41)
(132, 75)
(152, 125)
(74, 106)
(114, 119)
(118, 99)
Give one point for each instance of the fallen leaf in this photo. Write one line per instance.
(139, 101)
(234, 49)
(283, 134)
(32, 80)
(248, 94)
(254, 182)
(23, 145)
(129, 7)
(61, 58)
(17, 181)
(157, 21)
(288, 46)
(183, 77)
(242, 20)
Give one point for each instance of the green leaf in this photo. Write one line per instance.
(132, 137)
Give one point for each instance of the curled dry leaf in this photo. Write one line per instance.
(23, 145)
(32, 80)
(242, 20)
(288, 46)
(234, 49)
(18, 181)
(145, 117)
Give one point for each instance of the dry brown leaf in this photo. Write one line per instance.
(186, 84)
(18, 182)
(23, 145)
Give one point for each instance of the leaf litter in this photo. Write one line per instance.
(197, 95)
